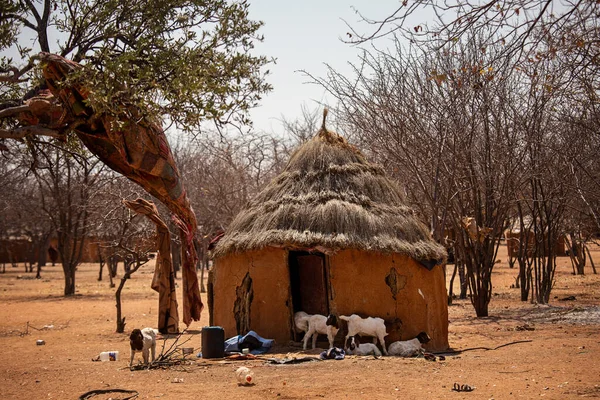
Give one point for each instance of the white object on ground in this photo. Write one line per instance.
(244, 376)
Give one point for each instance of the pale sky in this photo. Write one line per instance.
(305, 35)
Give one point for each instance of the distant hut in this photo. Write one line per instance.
(513, 239)
(330, 234)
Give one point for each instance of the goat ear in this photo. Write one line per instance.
(136, 340)
(332, 320)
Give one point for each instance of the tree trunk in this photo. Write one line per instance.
(545, 266)
(136, 262)
(202, 286)
(451, 285)
(112, 263)
(11, 259)
(464, 283)
(101, 267)
(591, 259)
(524, 278)
(43, 252)
(120, 321)
(481, 304)
(577, 253)
(203, 265)
(69, 272)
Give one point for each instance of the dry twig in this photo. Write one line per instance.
(172, 356)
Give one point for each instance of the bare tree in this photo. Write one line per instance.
(226, 174)
(134, 245)
(441, 123)
(11, 180)
(67, 183)
(527, 31)
(304, 127)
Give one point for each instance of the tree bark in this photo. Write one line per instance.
(451, 285)
(101, 267)
(69, 272)
(464, 283)
(120, 321)
(591, 259)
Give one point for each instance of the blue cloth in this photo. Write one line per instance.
(232, 344)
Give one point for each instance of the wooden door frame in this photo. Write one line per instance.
(326, 277)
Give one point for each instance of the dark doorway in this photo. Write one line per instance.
(308, 282)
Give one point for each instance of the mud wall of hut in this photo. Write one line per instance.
(390, 287)
(252, 292)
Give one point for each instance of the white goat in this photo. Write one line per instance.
(301, 321)
(143, 340)
(366, 327)
(354, 346)
(316, 324)
(409, 348)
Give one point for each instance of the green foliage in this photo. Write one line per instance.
(8, 29)
(185, 60)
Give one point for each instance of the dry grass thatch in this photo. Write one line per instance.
(329, 196)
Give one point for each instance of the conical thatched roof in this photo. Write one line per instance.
(330, 197)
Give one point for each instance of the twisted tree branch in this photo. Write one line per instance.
(22, 132)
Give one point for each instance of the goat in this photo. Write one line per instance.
(301, 321)
(409, 348)
(143, 340)
(316, 324)
(369, 326)
(354, 346)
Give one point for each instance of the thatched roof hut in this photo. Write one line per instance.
(329, 196)
(329, 223)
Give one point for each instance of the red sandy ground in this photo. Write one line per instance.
(560, 362)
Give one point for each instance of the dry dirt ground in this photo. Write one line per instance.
(559, 362)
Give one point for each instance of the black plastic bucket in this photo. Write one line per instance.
(213, 342)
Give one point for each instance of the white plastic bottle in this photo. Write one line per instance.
(109, 356)
(244, 376)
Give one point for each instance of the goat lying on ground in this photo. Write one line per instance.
(409, 348)
(143, 340)
(354, 346)
(316, 324)
(366, 327)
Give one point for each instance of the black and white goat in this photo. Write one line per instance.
(316, 324)
(369, 326)
(409, 348)
(143, 340)
(354, 346)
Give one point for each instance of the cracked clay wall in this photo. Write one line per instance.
(267, 304)
(370, 284)
(391, 286)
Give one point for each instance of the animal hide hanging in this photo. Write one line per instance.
(136, 148)
(163, 280)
